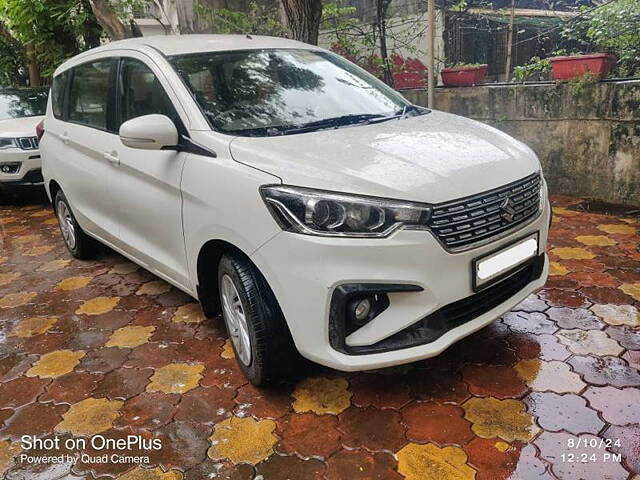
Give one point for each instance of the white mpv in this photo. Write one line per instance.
(287, 188)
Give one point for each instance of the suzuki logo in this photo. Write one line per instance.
(507, 210)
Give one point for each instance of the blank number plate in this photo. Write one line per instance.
(489, 269)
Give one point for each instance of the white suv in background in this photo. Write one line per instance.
(287, 188)
(20, 112)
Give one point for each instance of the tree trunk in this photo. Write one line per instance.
(303, 19)
(33, 67)
(186, 17)
(110, 22)
(381, 22)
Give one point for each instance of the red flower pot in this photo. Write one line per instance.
(463, 76)
(566, 68)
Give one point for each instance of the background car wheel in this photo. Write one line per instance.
(258, 331)
(79, 244)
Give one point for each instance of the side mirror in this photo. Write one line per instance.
(149, 132)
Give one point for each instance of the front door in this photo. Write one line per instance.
(146, 185)
(82, 139)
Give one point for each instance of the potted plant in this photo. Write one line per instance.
(464, 75)
(571, 66)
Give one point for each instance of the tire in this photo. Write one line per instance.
(271, 353)
(79, 244)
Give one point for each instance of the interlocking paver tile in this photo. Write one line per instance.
(148, 411)
(523, 322)
(21, 391)
(205, 405)
(379, 391)
(71, 388)
(417, 462)
(507, 419)
(55, 364)
(553, 376)
(606, 371)
(626, 336)
(309, 435)
(175, 378)
(130, 336)
(559, 297)
(586, 342)
(572, 318)
(493, 458)
(440, 424)
(544, 347)
(279, 467)
(618, 314)
(625, 440)
(568, 412)
(494, 380)
(243, 440)
(617, 406)
(123, 383)
(8, 451)
(98, 305)
(371, 428)
(322, 395)
(362, 465)
(90, 416)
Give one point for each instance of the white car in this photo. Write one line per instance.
(20, 112)
(287, 188)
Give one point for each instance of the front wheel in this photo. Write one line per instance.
(258, 331)
(79, 244)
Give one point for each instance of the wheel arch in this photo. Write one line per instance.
(54, 188)
(207, 273)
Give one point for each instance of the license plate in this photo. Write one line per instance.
(497, 265)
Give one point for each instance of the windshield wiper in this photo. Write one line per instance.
(334, 122)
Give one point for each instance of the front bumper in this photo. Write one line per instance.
(305, 271)
(29, 167)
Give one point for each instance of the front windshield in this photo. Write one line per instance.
(267, 92)
(22, 103)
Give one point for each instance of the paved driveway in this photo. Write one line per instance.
(103, 347)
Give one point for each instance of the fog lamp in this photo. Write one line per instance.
(362, 310)
(9, 167)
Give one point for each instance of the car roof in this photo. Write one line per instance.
(196, 43)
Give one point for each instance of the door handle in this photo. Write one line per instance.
(111, 157)
(64, 138)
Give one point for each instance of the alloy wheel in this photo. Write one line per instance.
(67, 225)
(235, 318)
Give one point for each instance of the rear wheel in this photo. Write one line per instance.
(79, 244)
(258, 331)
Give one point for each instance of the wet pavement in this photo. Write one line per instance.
(103, 350)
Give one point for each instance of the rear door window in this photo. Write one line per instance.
(89, 94)
(57, 94)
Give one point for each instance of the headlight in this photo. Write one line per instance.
(316, 212)
(7, 143)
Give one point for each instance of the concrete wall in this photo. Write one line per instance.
(588, 138)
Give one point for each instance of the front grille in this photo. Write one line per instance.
(480, 217)
(28, 143)
(454, 314)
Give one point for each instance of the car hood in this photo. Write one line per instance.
(429, 158)
(19, 127)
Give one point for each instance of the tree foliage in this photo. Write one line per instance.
(257, 20)
(614, 28)
(50, 30)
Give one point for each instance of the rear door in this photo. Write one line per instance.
(146, 186)
(81, 136)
